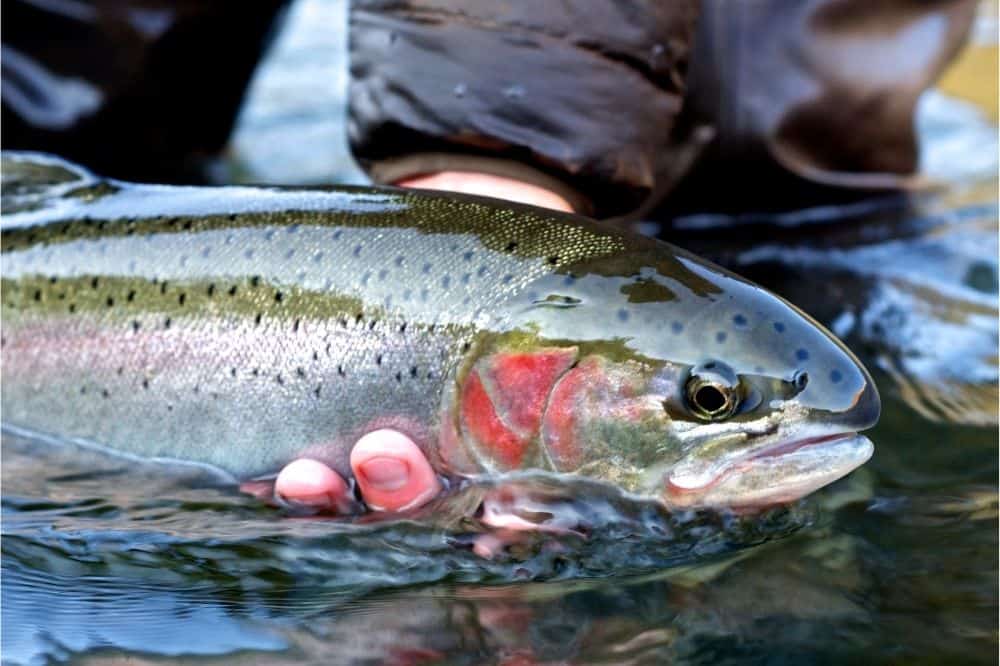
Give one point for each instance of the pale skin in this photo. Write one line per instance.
(390, 471)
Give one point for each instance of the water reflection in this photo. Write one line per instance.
(850, 589)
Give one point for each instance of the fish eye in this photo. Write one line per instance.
(712, 391)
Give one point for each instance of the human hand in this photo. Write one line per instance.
(498, 187)
(391, 472)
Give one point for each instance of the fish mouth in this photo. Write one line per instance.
(777, 474)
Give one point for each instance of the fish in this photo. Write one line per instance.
(243, 327)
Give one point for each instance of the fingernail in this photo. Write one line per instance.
(385, 473)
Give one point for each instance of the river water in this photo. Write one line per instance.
(108, 563)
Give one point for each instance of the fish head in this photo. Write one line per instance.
(676, 380)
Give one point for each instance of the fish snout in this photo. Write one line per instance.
(865, 411)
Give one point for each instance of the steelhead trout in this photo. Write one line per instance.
(242, 327)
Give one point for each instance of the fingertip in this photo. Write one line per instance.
(312, 483)
(392, 472)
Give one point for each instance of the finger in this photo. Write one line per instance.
(392, 472)
(311, 484)
(498, 187)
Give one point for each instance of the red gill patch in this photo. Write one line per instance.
(504, 398)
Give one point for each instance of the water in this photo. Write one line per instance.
(107, 563)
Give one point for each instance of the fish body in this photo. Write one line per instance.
(244, 327)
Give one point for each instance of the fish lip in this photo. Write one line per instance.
(775, 450)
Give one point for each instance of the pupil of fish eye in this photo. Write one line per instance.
(801, 380)
(710, 398)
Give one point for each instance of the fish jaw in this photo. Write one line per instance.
(782, 473)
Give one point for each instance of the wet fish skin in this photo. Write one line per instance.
(244, 327)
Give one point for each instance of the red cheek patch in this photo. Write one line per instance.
(565, 408)
(485, 427)
(503, 400)
(522, 382)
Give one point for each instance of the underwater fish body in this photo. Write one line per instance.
(244, 327)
